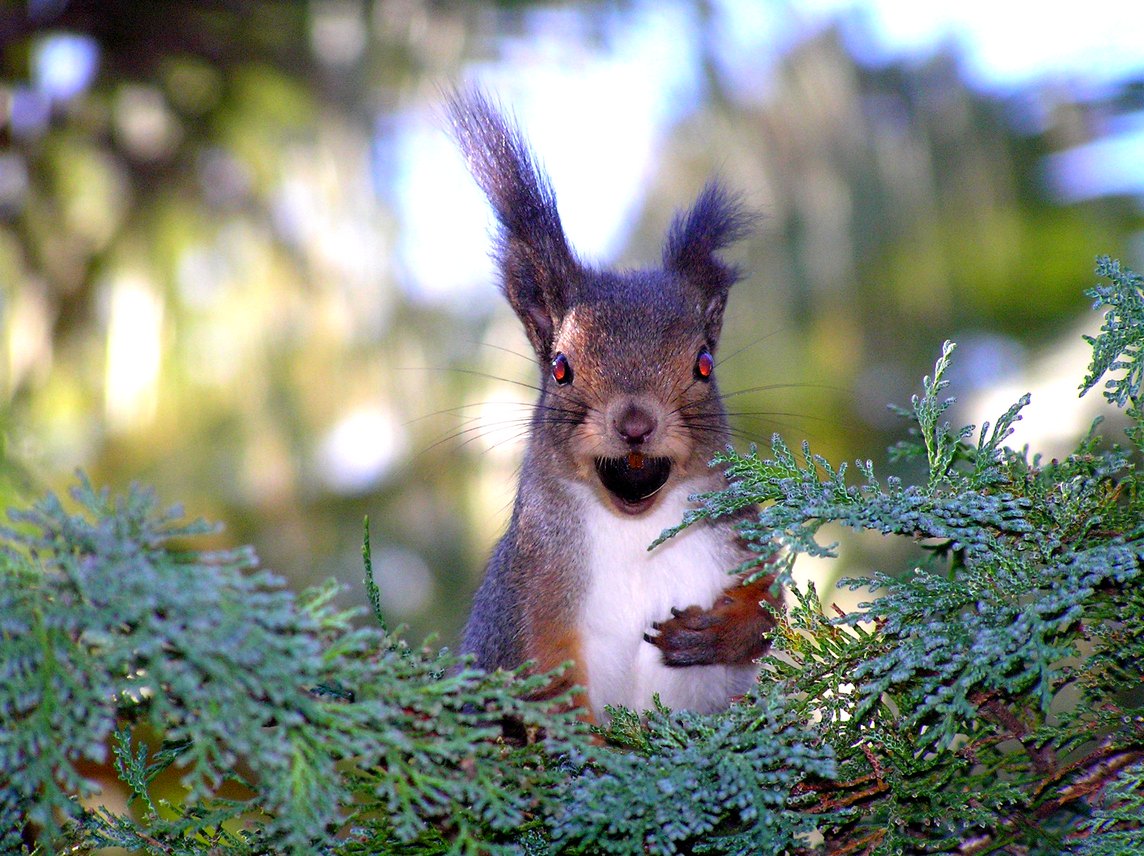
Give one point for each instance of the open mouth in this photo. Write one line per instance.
(633, 479)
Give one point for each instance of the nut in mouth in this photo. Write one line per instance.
(634, 479)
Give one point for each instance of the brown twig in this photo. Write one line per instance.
(995, 711)
(847, 796)
(1100, 766)
(866, 842)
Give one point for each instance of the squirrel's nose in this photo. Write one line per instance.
(635, 424)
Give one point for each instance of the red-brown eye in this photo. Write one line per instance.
(561, 370)
(704, 364)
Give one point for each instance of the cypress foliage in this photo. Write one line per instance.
(990, 699)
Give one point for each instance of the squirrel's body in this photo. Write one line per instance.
(629, 417)
(618, 608)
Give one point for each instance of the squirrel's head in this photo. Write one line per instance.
(629, 401)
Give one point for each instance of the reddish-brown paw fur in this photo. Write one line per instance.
(734, 631)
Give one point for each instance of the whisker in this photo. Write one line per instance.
(563, 395)
(476, 373)
(479, 432)
(711, 423)
(750, 345)
(529, 358)
(770, 387)
(763, 414)
(536, 414)
(724, 434)
(448, 411)
(565, 402)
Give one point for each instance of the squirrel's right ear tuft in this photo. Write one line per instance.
(537, 266)
(717, 219)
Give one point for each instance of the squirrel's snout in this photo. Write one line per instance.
(635, 424)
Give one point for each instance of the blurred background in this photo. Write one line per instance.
(240, 260)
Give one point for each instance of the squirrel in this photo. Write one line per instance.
(628, 417)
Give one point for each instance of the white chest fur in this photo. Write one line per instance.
(629, 587)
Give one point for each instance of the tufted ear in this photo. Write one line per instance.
(717, 219)
(537, 268)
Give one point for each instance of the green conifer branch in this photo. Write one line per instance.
(986, 700)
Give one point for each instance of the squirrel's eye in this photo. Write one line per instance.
(704, 364)
(561, 370)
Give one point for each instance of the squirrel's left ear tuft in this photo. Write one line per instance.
(718, 218)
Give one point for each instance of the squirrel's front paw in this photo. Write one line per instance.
(732, 631)
(690, 637)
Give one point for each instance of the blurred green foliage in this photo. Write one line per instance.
(200, 282)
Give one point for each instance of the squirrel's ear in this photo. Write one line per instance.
(717, 219)
(537, 267)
